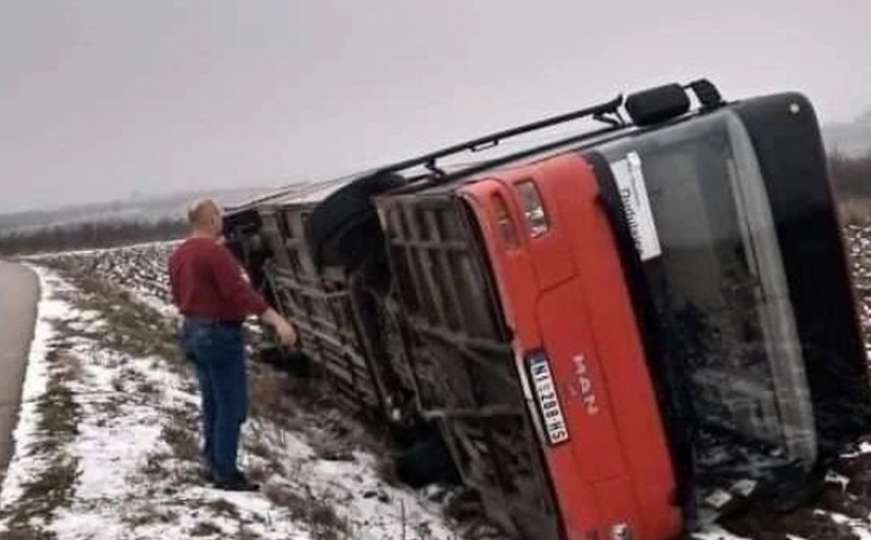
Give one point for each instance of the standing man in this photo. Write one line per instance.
(213, 294)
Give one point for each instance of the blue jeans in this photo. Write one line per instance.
(218, 354)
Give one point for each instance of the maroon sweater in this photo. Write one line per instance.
(208, 282)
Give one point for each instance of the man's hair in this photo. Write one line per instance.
(200, 209)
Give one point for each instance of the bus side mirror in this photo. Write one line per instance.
(664, 103)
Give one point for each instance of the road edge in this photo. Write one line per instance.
(10, 405)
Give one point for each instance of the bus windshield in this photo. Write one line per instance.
(699, 214)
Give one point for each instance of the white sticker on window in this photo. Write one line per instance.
(633, 193)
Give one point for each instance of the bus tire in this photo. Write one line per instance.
(344, 227)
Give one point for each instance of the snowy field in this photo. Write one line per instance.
(107, 443)
(106, 447)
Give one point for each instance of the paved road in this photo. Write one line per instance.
(19, 292)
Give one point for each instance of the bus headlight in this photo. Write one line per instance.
(533, 209)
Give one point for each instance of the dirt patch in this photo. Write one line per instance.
(205, 529)
(183, 441)
(150, 514)
(320, 515)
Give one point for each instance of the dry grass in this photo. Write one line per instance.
(320, 515)
(155, 465)
(182, 440)
(27, 534)
(270, 397)
(58, 423)
(222, 507)
(150, 514)
(137, 329)
(58, 411)
(205, 529)
(44, 495)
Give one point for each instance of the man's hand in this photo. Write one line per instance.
(286, 332)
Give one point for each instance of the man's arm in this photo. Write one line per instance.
(234, 288)
(238, 291)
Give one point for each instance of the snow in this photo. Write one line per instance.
(835, 478)
(109, 454)
(119, 432)
(858, 528)
(715, 532)
(36, 257)
(24, 466)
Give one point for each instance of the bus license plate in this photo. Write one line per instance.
(548, 402)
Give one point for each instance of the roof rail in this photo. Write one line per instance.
(608, 112)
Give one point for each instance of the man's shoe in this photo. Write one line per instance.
(236, 483)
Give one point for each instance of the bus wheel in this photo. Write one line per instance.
(344, 227)
(428, 461)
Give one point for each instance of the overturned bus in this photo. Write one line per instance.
(618, 333)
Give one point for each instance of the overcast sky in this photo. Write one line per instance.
(100, 99)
